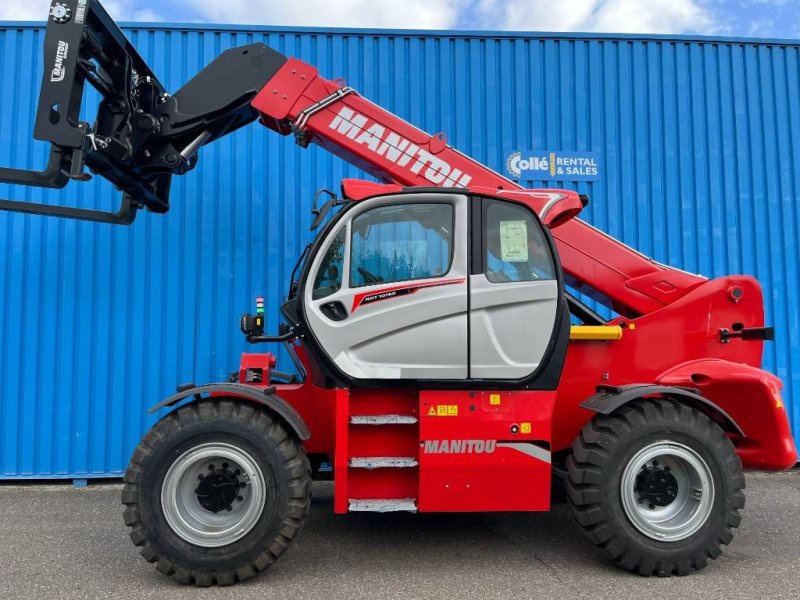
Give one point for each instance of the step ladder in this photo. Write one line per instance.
(383, 505)
(377, 451)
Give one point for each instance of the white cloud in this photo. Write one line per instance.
(130, 10)
(623, 16)
(653, 16)
(37, 10)
(409, 14)
(24, 10)
(535, 15)
(761, 28)
(778, 3)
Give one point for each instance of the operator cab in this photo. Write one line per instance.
(435, 285)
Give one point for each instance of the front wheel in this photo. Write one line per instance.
(216, 491)
(656, 485)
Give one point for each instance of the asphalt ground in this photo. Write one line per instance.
(61, 542)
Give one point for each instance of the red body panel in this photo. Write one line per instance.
(752, 398)
(481, 456)
(680, 345)
(256, 367)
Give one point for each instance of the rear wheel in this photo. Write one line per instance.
(656, 485)
(216, 491)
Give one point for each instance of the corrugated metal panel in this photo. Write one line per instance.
(699, 141)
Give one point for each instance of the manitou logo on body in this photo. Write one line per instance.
(542, 165)
(459, 446)
(57, 74)
(396, 149)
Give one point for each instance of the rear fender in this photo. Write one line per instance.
(752, 397)
(262, 396)
(609, 398)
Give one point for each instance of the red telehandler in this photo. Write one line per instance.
(443, 364)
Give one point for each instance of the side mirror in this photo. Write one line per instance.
(321, 213)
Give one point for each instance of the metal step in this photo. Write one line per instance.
(383, 420)
(383, 462)
(383, 505)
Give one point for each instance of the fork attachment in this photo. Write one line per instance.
(142, 135)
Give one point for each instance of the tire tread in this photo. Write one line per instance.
(584, 483)
(287, 445)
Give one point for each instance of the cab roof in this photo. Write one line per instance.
(553, 206)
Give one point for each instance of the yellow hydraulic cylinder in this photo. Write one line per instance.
(595, 332)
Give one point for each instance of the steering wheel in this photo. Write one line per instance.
(369, 277)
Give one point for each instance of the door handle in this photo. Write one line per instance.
(335, 310)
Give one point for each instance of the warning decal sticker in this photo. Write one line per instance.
(443, 410)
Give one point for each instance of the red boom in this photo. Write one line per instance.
(338, 119)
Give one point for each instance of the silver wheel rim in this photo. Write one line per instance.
(183, 510)
(687, 511)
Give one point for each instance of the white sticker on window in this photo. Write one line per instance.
(514, 241)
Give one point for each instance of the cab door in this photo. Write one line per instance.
(389, 292)
(514, 292)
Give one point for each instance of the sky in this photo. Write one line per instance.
(739, 18)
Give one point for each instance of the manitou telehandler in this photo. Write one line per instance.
(430, 325)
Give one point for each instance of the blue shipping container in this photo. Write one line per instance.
(697, 143)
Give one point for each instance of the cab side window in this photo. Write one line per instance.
(515, 248)
(329, 276)
(401, 242)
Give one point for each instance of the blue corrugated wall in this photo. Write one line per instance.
(699, 141)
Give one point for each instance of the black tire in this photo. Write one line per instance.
(600, 454)
(278, 454)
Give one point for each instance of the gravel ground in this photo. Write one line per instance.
(60, 542)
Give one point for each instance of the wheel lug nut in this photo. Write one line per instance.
(239, 498)
(651, 506)
(224, 465)
(229, 508)
(243, 484)
(211, 467)
(201, 477)
(641, 500)
(655, 463)
(237, 472)
(667, 469)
